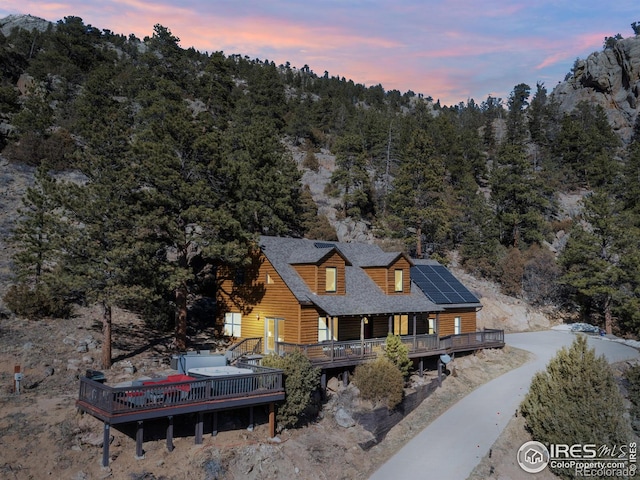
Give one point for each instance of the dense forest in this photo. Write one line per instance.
(182, 158)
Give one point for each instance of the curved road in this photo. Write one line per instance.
(453, 444)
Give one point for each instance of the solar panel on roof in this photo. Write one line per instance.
(323, 245)
(439, 284)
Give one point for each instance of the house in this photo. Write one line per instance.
(338, 301)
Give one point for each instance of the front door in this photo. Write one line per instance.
(273, 332)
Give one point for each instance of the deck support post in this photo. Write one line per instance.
(139, 439)
(199, 428)
(250, 427)
(170, 434)
(439, 372)
(214, 424)
(345, 378)
(105, 445)
(272, 419)
(390, 324)
(421, 367)
(323, 383)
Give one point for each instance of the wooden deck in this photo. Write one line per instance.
(153, 400)
(353, 352)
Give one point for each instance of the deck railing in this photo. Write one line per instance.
(248, 346)
(352, 350)
(479, 339)
(132, 399)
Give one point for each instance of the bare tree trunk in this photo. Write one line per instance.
(608, 317)
(181, 320)
(419, 243)
(106, 335)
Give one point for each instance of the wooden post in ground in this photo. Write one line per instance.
(272, 419)
(105, 445)
(16, 375)
(199, 428)
(439, 372)
(250, 427)
(214, 424)
(170, 434)
(139, 440)
(421, 367)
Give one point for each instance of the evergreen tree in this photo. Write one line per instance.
(420, 197)
(586, 147)
(593, 254)
(520, 198)
(574, 399)
(351, 177)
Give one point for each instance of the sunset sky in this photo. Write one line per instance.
(452, 50)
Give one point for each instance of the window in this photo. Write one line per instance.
(324, 330)
(432, 326)
(232, 324)
(239, 277)
(401, 324)
(330, 281)
(398, 280)
(456, 326)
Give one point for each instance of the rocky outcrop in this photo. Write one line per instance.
(26, 22)
(610, 78)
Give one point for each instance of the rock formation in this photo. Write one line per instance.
(610, 78)
(26, 22)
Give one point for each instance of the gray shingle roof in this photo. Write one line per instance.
(363, 296)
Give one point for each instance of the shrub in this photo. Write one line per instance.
(301, 380)
(632, 376)
(311, 162)
(36, 302)
(398, 353)
(380, 381)
(575, 401)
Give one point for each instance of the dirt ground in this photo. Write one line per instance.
(43, 436)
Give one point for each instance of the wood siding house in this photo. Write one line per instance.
(336, 301)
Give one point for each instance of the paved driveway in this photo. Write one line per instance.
(453, 444)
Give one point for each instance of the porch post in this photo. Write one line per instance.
(345, 378)
(415, 340)
(105, 445)
(439, 372)
(272, 419)
(362, 336)
(139, 439)
(390, 324)
(170, 434)
(421, 367)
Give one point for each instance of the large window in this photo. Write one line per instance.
(232, 324)
(327, 328)
(399, 277)
(401, 324)
(331, 279)
(456, 325)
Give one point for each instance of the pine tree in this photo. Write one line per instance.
(593, 254)
(398, 353)
(421, 198)
(575, 401)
